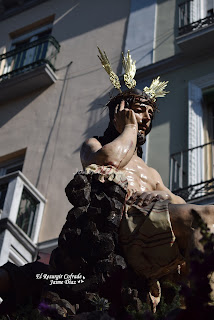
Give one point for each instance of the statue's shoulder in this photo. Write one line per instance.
(153, 171)
(88, 151)
(91, 143)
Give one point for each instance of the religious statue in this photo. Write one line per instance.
(124, 217)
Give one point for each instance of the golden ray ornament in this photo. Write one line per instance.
(106, 65)
(156, 89)
(130, 70)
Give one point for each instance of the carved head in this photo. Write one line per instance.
(143, 106)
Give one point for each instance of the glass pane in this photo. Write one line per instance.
(209, 5)
(184, 14)
(14, 168)
(26, 213)
(3, 191)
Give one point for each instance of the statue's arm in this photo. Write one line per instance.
(119, 151)
(116, 153)
(162, 188)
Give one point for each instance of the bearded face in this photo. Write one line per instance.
(143, 108)
(143, 112)
(141, 138)
(144, 115)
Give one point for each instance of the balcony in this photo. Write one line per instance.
(21, 207)
(197, 25)
(201, 188)
(28, 67)
(194, 36)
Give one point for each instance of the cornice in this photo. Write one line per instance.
(170, 64)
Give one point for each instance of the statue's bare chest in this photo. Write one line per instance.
(139, 175)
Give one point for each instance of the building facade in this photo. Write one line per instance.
(52, 93)
(178, 46)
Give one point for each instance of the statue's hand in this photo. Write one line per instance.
(145, 198)
(123, 117)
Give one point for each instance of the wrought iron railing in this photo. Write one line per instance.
(197, 25)
(186, 23)
(29, 56)
(180, 176)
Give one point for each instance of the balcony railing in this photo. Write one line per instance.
(186, 23)
(29, 56)
(197, 25)
(180, 178)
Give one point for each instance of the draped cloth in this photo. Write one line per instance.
(149, 245)
(148, 241)
(146, 234)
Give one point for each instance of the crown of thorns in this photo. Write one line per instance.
(156, 88)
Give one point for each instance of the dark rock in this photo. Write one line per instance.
(94, 212)
(79, 181)
(95, 315)
(69, 238)
(91, 234)
(114, 191)
(114, 218)
(105, 245)
(102, 201)
(91, 229)
(104, 266)
(90, 284)
(79, 197)
(99, 247)
(75, 213)
(117, 205)
(119, 261)
(78, 191)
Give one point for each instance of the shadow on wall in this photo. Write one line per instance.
(74, 19)
(82, 16)
(12, 107)
(98, 117)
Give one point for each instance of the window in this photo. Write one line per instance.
(192, 170)
(3, 192)
(208, 98)
(8, 164)
(191, 11)
(11, 166)
(184, 13)
(28, 49)
(210, 7)
(27, 211)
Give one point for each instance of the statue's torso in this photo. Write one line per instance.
(139, 176)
